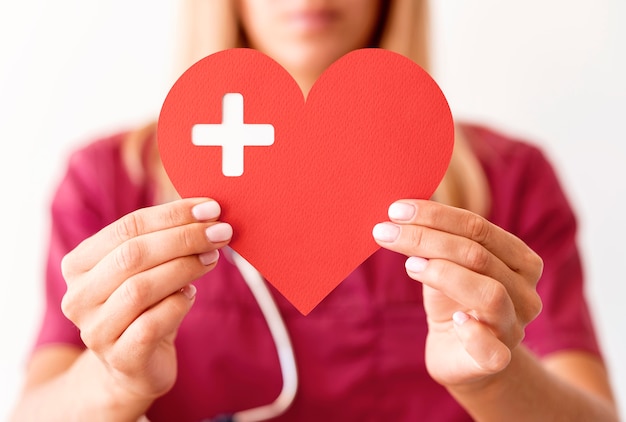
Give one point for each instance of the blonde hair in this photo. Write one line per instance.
(212, 26)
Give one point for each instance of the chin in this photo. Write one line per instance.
(315, 60)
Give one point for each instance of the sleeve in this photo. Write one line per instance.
(74, 217)
(548, 225)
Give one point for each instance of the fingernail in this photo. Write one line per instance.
(209, 258)
(386, 232)
(415, 264)
(219, 232)
(189, 291)
(401, 211)
(460, 318)
(206, 211)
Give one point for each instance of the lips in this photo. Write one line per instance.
(312, 21)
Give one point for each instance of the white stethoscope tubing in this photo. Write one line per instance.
(286, 356)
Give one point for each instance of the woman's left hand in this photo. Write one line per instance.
(479, 286)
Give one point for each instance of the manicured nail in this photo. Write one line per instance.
(219, 232)
(189, 291)
(460, 318)
(206, 211)
(401, 211)
(209, 258)
(386, 232)
(415, 264)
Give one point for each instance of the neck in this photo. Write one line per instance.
(305, 80)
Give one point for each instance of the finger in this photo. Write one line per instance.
(152, 249)
(414, 240)
(486, 351)
(138, 342)
(140, 254)
(148, 251)
(137, 223)
(488, 299)
(144, 290)
(507, 247)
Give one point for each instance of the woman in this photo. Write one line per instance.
(454, 332)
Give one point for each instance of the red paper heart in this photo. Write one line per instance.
(375, 128)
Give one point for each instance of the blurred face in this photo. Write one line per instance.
(306, 36)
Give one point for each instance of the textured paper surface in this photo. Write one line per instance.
(375, 128)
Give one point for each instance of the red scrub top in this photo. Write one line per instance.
(360, 353)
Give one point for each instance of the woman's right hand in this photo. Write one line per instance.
(128, 290)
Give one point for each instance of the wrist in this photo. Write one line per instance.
(109, 400)
(128, 406)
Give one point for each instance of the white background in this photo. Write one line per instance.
(550, 71)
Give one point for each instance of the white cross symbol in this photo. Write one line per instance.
(232, 134)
